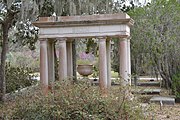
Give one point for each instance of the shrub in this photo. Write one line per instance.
(17, 78)
(77, 102)
(176, 85)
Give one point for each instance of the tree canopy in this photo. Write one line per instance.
(155, 38)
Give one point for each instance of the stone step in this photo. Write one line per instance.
(163, 100)
(148, 84)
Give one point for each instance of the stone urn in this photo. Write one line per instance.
(85, 70)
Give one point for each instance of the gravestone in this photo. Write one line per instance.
(163, 100)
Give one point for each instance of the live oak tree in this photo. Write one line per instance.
(155, 39)
(8, 13)
(11, 13)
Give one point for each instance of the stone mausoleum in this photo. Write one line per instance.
(64, 29)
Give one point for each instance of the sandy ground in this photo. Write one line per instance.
(166, 112)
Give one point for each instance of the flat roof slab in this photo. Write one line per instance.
(101, 25)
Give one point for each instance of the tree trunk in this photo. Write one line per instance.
(5, 28)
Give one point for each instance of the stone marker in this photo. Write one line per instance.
(151, 91)
(148, 84)
(163, 100)
(147, 91)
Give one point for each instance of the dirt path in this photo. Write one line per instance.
(166, 112)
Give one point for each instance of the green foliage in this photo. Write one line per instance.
(114, 74)
(176, 85)
(77, 102)
(155, 39)
(115, 55)
(24, 59)
(24, 34)
(17, 78)
(47, 9)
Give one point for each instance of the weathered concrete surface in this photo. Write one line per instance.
(163, 100)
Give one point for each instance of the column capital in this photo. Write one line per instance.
(51, 40)
(108, 38)
(42, 39)
(101, 39)
(123, 39)
(61, 39)
(128, 40)
(70, 40)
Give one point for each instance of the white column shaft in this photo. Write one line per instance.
(108, 53)
(129, 60)
(102, 65)
(44, 63)
(51, 70)
(69, 60)
(62, 60)
(123, 53)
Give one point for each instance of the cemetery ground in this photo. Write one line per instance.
(151, 111)
(157, 111)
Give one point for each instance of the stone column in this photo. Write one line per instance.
(102, 66)
(44, 65)
(51, 70)
(123, 54)
(108, 54)
(129, 60)
(69, 59)
(62, 59)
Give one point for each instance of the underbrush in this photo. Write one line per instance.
(18, 78)
(176, 85)
(68, 101)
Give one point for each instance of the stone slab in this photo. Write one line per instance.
(148, 83)
(151, 91)
(114, 25)
(149, 79)
(147, 91)
(164, 100)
